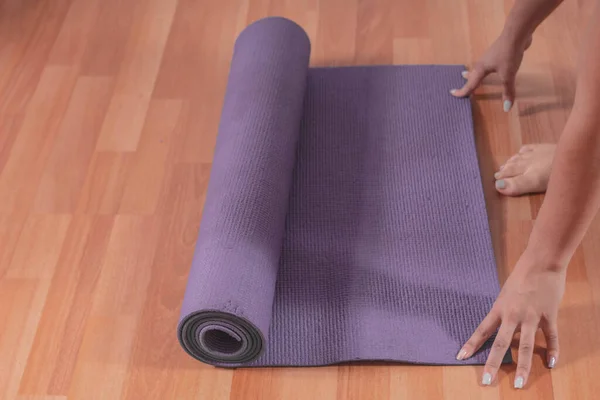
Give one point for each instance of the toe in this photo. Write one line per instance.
(510, 170)
(526, 149)
(513, 159)
(518, 185)
(526, 172)
(507, 187)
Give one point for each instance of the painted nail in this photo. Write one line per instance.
(453, 91)
(552, 362)
(487, 379)
(500, 184)
(461, 355)
(519, 382)
(507, 105)
(497, 175)
(465, 74)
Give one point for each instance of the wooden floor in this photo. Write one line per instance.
(108, 117)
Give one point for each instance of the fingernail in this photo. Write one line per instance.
(552, 362)
(497, 175)
(461, 355)
(519, 382)
(507, 105)
(453, 91)
(487, 379)
(500, 184)
(465, 74)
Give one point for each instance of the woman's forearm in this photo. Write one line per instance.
(525, 17)
(573, 194)
(572, 198)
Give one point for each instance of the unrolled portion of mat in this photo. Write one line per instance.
(344, 218)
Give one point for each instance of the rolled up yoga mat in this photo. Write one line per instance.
(344, 219)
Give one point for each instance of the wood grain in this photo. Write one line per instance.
(108, 118)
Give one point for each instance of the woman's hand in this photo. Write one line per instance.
(529, 299)
(503, 57)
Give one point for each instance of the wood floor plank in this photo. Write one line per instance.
(305, 384)
(411, 19)
(76, 29)
(69, 160)
(109, 111)
(363, 382)
(156, 357)
(106, 46)
(152, 160)
(28, 278)
(16, 295)
(11, 225)
(104, 184)
(39, 247)
(335, 44)
(136, 77)
(25, 163)
(33, 28)
(119, 297)
(67, 306)
(412, 51)
(374, 34)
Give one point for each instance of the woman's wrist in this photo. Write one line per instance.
(517, 36)
(524, 18)
(536, 257)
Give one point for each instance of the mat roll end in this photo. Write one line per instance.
(274, 23)
(220, 339)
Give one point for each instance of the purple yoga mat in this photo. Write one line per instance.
(344, 218)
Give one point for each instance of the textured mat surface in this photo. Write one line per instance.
(345, 217)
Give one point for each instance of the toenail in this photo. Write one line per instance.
(500, 184)
(497, 175)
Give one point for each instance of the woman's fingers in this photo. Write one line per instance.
(526, 345)
(508, 94)
(499, 349)
(474, 78)
(481, 334)
(550, 330)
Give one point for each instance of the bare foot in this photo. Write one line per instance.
(527, 171)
